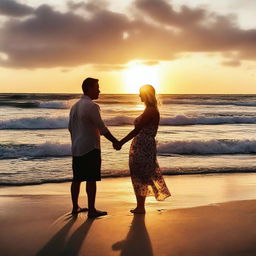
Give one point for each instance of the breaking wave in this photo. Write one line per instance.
(187, 120)
(210, 103)
(37, 104)
(35, 123)
(62, 122)
(201, 147)
(196, 147)
(48, 149)
(55, 105)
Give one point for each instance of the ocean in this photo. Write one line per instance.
(198, 134)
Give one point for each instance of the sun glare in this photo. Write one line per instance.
(137, 75)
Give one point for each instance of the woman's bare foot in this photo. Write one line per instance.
(138, 211)
(96, 214)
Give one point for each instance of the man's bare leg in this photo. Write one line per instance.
(75, 189)
(91, 194)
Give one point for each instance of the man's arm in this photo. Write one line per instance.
(110, 137)
(95, 114)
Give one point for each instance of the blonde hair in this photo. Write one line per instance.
(149, 94)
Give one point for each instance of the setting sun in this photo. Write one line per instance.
(137, 74)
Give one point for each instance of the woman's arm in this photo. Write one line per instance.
(148, 114)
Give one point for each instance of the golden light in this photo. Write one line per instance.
(137, 75)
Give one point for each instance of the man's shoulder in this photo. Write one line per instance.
(92, 104)
(74, 106)
(88, 104)
(85, 103)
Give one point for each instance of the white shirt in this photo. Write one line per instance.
(85, 126)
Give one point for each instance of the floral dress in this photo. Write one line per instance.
(146, 175)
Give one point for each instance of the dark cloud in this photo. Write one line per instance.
(12, 8)
(162, 11)
(200, 30)
(50, 38)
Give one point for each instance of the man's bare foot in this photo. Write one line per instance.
(96, 214)
(138, 211)
(78, 210)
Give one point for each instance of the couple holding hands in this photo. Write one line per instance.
(86, 126)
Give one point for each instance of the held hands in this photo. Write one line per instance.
(117, 145)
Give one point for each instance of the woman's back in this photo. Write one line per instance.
(151, 126)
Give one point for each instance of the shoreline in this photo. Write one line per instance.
(206, 215)
(66, 180)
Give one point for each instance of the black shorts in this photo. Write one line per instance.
(87, 167)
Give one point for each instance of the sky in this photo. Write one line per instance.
(178, 46)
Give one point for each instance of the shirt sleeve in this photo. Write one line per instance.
(69, 121)
(96, 117)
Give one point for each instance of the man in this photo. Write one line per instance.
(86, 126)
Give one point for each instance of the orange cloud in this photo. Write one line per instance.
(231, 63)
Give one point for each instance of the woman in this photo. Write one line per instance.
(146, 176)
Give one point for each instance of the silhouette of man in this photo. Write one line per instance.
(86, 126)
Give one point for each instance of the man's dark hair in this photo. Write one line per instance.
(88, 83)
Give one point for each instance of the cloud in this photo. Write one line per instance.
(150, 63)
(50, 38)
(109, 67)
(231, 63)
(162, 11)
(91, 6)
(12, 8)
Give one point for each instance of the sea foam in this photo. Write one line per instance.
(55, 105)
(208, 103)
(62, 121)
(202, 147)
(47, 149)
(188, 120)
(192, 147)
(35, 123)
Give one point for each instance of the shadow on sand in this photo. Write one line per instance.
(60, 245)
(137, 241)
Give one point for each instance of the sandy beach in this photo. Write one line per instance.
(206, 215)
